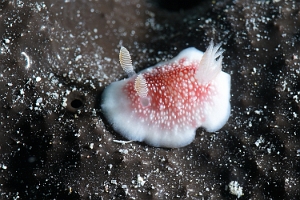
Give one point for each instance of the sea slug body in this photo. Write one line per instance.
(164, 105)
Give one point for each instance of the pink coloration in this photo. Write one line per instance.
(170, 88)
(183, 94)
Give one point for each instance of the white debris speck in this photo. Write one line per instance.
(295, 115)
(55, 95)
(295, 97)
(78, 57)
(3, 166)
(121, 141)
(94, 113)
(123, 151)
(92, 145)
(284, 85)
(64, 103)
(258, 112)
(9, 84)
(38, 79)
(259, 141)
(28, 60)
(38, 101)
(236, 189)
(107, 59)
(68, 92)
(114, 182)
(250, 124)
(140, 181)
(298, 152)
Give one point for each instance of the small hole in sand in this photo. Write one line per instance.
(76, 103)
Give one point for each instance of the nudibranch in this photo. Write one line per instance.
(164, 105)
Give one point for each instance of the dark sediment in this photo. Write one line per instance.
(56, 59)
